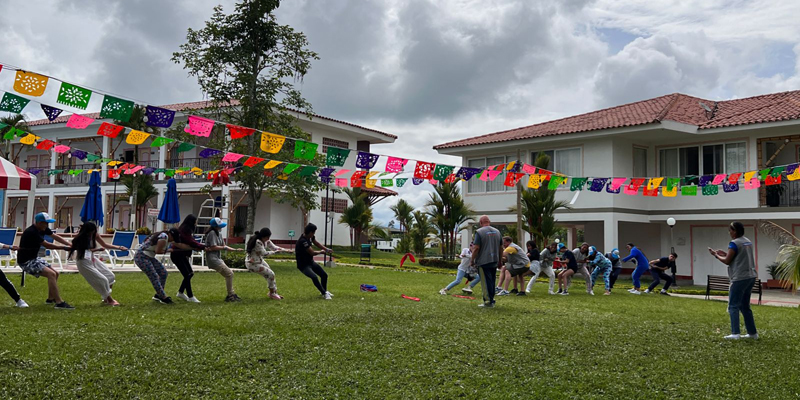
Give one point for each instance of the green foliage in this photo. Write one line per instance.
(402, 213)
(404, 245)
(539, 207)
(439, 263)
(449, 213)
(13, 121)
(788, 268)
(420, 231)
(358, 215)
(246, 56)
(773, 270)
(235, 259)
(143, 231)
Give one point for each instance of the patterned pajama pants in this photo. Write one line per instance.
(606, 275)
(154, 270)
(264, 270)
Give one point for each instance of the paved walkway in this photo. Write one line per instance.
(775, 298)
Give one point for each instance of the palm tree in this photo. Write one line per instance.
(402, 214)
(539, 207)
(420, 232)
(358, 216)
(449, 213)
(137, 121)
(143, 185)
(788, 254)
(13, 121)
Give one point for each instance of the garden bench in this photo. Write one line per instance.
(722, 283)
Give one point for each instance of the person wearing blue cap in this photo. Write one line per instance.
(602, 265)
(214, 245)
(29, 261)
(616, 266)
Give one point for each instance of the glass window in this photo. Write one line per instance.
(712, 159)
(497, 184)
(550, 153)
(735, 157)
(568, 162)
(476, 185)
(639, 161)
(668, 162)
(689, 158)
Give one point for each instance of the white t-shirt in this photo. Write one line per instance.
(465, 259)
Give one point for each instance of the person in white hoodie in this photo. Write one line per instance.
(464, 269)
(256, 251)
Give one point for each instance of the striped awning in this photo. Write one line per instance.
(13, 177)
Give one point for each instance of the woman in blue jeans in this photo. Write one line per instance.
(742, 273)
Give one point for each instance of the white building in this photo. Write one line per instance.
(673, 136)
(61, 194)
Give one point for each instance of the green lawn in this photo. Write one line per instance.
(378, 345)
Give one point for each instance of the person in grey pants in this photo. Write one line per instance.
(742, 273)
(486, 256)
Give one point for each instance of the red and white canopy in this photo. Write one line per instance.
(13, 177)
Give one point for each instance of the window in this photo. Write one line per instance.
(639, 161)
(706, 160)
(497, 184)
(333, 142)
(565, 161)
(476, 185)
(334, 205)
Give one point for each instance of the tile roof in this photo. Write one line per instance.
(673, 107)
(200, 105)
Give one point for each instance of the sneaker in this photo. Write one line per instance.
(486, 305)
(182, 296)
(466, 289)
(193, 300)
(514, 291)
(647, 291)
(551, 292)
(503, 293)
(275, 296)
(591, 292)
(63, 306)
(749, 336)
(560, 291)
(326, 292)
(167, 300)
(112, 304)
(327, 296)
(498, 289)
(664, 292)
(443, 292)
(734, 336)
(156, 298)
(607, 293)
(230, 298)
(565, 293)
(631, 290)
(634, 291)
(21, 304)
(522, 294)
(49, 301)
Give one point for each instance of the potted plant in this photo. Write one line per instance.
(774, 193)
(775, 282)
(143, 231)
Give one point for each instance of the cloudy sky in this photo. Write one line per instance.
(431, 71)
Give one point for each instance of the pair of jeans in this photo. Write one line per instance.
(739, 301)
(657, 276)
(614, 275)
(459, 276)
(489, 281)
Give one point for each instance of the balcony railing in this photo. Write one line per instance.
(787, 196)
(63, 178)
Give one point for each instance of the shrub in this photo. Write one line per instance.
(438, 263)
(110, 231)
(772, 270)
(143, 231)
(234, 259)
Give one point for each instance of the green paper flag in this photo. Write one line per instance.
(305, 150)
(159, 171)
(777, 171)
(169, 172)
(555, 181)
(55, 171)
(74, 96)
(577, 184)
(116, 109)
(386, 183)
(308, 170)
(441, 172)
(401, 181)
(689, 191)
(336, 156)
(10, 134)
(672, 182)
(184, 147)
(710, 190)
(13, 103)
(161, 141)
(763, 173)
(290, 167)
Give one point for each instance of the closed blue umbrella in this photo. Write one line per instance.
(170, 212)
(93, 203)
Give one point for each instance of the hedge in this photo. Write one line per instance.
(438, 263)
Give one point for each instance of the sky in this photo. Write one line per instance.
(433, 71)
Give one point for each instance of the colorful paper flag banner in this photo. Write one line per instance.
(238, 132)
(577, 184)
(77, 121)
(355, 179)
(61, 149)
(29, 139)
(232, 157)
(184, 147)
(305, 150)
(161, 141)
(73, 96)
(253, 161)
(395, 164)
(689, 191)
(336, 156)
(109, 130)
(466, 173)
(51, 112)
(159, 117)
(116, 109)
(271, 143)
(290, 168)
(366, 160)
(632, 188)
(30, 84)
(13, 103)
(512, 178)
(441, 172)
(136, 137)
(199, 126)
(400, 182)
(207, 153)
(598, 184)
(46, 145)
(272, 164)
(79, 154)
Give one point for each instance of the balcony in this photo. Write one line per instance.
(65, 179)
(788, 194)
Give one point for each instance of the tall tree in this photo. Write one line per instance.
(402, 214)
(539, 207)
(137, 121)
(449, 213)
(13, 121)
(248, 64)
(419, 233)
(358, 215)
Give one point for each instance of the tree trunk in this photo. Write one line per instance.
(254, 196)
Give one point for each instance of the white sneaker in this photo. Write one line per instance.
(551, 292)
(503, 293)
(565, 293)
(22, 304)
(443, 292)
(636, 291)
(467, 290)
(327, 296)
(647, 291)
(192, 300)
(182, 296)
(749, 336)
(591, 293)
(329, 293)
(734, 336)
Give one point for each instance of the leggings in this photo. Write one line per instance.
(154, 270)
(8, 286)
(614, 275)
(637, 273)
(657, 276)
(314, 270)
(264, 270)
(182, 262)
(100, 278)
(606, 274)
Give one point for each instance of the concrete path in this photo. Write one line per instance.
(775, 298)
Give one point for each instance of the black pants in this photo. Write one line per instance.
(659, 274)
(313, 271)
(181, 260)
(8, 286)
(489, 279)
(614, 275)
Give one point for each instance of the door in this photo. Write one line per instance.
(716, 237)
(124, 216)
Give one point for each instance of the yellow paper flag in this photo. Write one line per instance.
(654, 183)
(748, 176)
(196, 171)
(669, 193)
(271, 164)
(30, 84)
(510, 165)
(371, 182)
(136, 137)
(114, 163)
(271, 143)
(535, 181)
(29, 140)
(794, 175)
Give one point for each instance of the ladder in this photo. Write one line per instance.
(210, 209)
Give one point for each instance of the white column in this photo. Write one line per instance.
(53, 157)
(161, 193)
(104, 166)
(30, 205)
(162, 160)
(226, 209)
(51, 205)
(610, 233)
(571, 237)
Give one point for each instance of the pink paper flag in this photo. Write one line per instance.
(754, 183)
(79, 121)
(341, 172)
(493, 174)
(61, 149)
(394, 164)
(199, 126)
(341, 182)
(232, 157)
(633, 188)
(433, 182)
(617, 182)
(718, 179)
(528, 169)
(131, 171)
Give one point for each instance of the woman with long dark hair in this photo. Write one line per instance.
(84, 246)
(182, 258)
(304, 254)
(146, 260)
(742, 272)
(214, 244)
(257, 249)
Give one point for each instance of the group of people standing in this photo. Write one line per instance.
(490, 253)
(178, 242)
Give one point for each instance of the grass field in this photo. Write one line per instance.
(378, 345)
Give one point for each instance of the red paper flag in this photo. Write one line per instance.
(451, 178)
(238, 132)
(109, 130)
(355, 180)
(253, 161)
(46, 145)
(424, 170)
(512, 178)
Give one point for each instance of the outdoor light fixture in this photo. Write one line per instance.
(671, 221)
